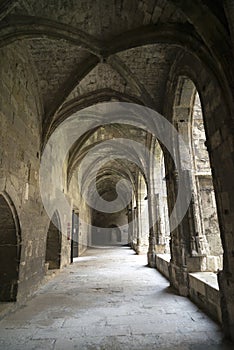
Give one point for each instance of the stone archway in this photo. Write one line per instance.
(53, 243)
(202, 237)
(9, 249)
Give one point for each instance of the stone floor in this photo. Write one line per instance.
(109, 300)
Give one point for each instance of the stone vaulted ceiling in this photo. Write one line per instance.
(86, 51)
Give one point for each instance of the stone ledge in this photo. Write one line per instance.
(204, 291)
(162, 262)
(166, 257)
(203, 287)
(209, 278)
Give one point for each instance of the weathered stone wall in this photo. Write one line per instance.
(9, 250)
(20, 132)
(20, 160)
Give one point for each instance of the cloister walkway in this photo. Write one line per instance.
(110, 300)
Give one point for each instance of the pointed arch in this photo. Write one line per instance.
(10, 249)
(54, 243)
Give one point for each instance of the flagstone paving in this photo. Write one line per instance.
(109, 300)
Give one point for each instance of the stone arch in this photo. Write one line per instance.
(10, 249)
(218, 130)
(187, 66)
(219, 134)
(54, 243)
(202, 244)
(205, 190)
(89, 99)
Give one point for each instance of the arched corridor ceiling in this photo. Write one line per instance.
(84, 52)
(114, 161)
(128, 47)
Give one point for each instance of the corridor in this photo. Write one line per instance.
(109, 299)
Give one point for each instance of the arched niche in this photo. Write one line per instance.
(10, 244)
(53, 243)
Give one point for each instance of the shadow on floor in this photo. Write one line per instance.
(224, 345)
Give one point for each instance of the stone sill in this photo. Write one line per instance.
(203, 287)
(166, 257)
(204, 291)
(209, 278)
(203, 174)
(162, 262)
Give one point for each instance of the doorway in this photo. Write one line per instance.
(75, 235)
(53, 243)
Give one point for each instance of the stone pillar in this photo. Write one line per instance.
(160, 244)
(198, 246)
(223, 184)
(135, 240)
(226, 284)
(130, 224)
(143, 225)
(179, 243)
(151, 255)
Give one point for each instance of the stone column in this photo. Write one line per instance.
(152, 241)
(143, 225)
(223, 184)
(179, 243)
(130, 224)
(135, 241)
(198, 246)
